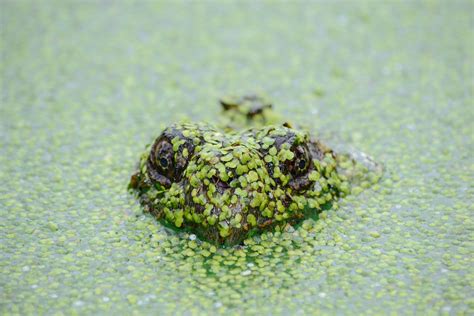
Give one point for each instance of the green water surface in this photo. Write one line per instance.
(85, 85)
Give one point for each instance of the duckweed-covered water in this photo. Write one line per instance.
(86, 85)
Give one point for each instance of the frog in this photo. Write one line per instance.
(249, 174)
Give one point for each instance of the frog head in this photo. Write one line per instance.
(225, 186)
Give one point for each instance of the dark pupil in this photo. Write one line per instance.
(164, 162)
(302, 164)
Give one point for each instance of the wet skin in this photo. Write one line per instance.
(225, 185)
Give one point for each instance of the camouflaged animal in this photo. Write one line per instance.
(225, 184)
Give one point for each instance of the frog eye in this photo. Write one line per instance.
(302, 164)
(163, 155)
(169, 156)
(161, 162)
(164, 162)
(302, 160)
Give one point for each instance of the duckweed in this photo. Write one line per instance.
(302, 177)
(85, 86)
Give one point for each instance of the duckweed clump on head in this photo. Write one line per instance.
(225, 186)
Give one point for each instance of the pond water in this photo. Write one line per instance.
(85, 86)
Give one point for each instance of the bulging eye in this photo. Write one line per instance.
(163, 156)
(302, 164)
(164, 162)
(160, 163)
(169, 156)
(302, 160)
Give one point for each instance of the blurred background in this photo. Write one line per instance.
(86, 84)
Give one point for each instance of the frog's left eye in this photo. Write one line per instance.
(302, 164)
(301, 161)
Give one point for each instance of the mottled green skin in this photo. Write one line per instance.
(225, 185)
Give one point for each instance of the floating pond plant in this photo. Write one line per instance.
(87, 84)
(226, 184)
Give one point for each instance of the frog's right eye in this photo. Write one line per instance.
(161, 166)
(164, 162)
(163, 157)
(167, 162)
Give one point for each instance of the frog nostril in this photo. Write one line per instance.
(220, 185)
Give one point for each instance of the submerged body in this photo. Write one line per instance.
(225, 184)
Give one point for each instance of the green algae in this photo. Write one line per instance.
(85, 85)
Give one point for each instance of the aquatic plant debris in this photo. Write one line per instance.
(84, 87)
(226, 186)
